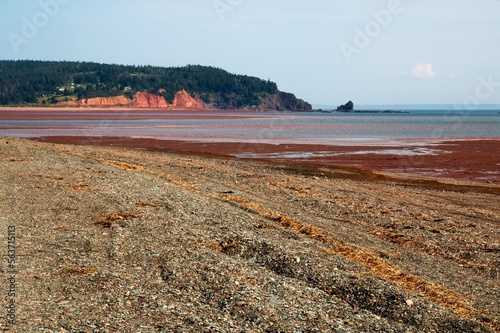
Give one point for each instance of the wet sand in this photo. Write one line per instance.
(465, 160)
(471, 160)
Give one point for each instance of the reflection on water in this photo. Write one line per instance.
(414, 151)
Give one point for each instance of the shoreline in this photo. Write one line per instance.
(465, 159)
(110, 108)
(120, 237)
(127, 108)
(474, 160)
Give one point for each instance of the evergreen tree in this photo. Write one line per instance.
(26, 81)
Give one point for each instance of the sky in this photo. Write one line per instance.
(324, 51)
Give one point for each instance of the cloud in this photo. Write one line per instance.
(423, 71)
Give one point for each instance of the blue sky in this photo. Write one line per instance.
(324, 51)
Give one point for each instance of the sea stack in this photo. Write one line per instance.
(349, 106)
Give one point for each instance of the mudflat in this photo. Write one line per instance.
(472, 160)
(134, 240)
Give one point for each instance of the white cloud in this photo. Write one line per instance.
(423, 71)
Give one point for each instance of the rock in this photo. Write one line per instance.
(279, 101)
(148, 100)
(346, 107)
(182, 101)
(283, 101)
(99, 102)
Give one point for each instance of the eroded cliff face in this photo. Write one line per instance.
(99, 102)
(283, 101)
(182, 101)
(150, 101)
(280, 101)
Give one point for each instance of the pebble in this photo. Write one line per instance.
(209, 286)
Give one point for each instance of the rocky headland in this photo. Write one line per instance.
(193, 87)
(280, 101)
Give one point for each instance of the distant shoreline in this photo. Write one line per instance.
(360, 111)
(408, 107)
(118, 108)
(114, 108)
(402, 110)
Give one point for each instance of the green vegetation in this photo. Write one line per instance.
(44, 83)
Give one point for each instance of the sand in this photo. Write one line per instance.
(473, 161)
(469, 160)
(148, 240)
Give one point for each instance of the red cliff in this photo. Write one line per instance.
(102, 102)
(182, 101)
(150, 101)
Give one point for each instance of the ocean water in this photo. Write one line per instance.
(272, 127)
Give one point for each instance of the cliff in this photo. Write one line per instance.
(99, 102)
(87, 84)
(282, 101)
(279, 101)
(148, 100)
(182, 101)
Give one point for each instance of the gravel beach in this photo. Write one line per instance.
(100, 239)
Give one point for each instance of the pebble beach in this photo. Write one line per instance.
(138, 240)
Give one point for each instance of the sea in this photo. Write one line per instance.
(412, 125)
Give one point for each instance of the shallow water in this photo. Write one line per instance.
(278, 128)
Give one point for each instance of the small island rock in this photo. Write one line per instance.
(346, 107)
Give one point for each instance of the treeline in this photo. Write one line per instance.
(42, 82)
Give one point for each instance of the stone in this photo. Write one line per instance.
(349, 106)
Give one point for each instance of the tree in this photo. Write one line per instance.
(27, 81)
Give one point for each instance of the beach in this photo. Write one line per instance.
(471, 161)
(138, 235)
(444, 144)
(233, 166)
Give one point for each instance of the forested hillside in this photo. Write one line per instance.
(48, 83)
